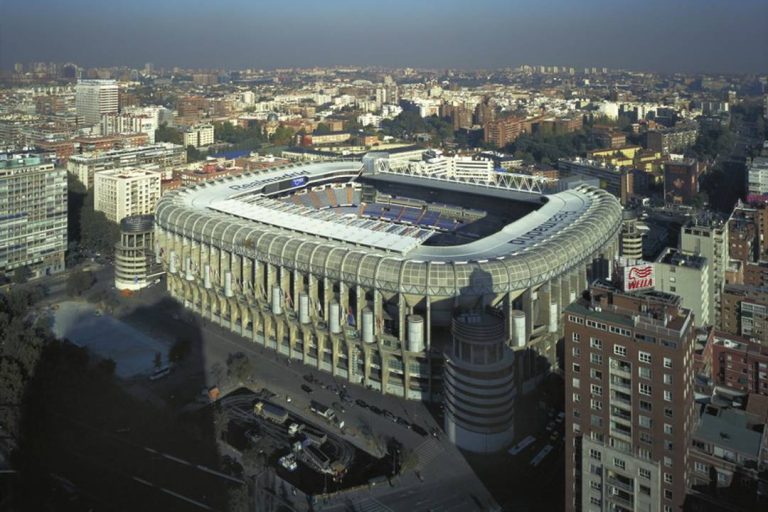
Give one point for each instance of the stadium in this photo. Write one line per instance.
(362, 268)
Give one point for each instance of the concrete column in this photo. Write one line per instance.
(401, 313)
(428, 330)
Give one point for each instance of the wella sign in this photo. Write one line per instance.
(638, 277)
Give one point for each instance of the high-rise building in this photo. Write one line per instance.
(709, 240)
(94, 98)
(629, 400)
(631, 241)
(33, 214)
(121, 193)
(681, 181)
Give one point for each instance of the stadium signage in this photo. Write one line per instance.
(543, 229)
(296, 175)
(638, 277)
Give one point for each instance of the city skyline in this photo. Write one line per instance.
(688, 36)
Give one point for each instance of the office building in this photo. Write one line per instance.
(709, 240)
(616, 180)
(199, 135)
(94, 98)
(629, 401)
(164, 155)
(125, 192)
(33, 215)
(686, 275)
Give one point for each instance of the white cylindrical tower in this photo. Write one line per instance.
(553, 316)
(479, 384)
(228, 284)
(277, 300)
(207, 276)
(518, 329)
(303, 308)
(172, 262)
(368, 326)
(415, 333)
(188, 269)
(334, 313)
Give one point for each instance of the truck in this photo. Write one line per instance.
(295, 428)
(270, 412)
(322, 410)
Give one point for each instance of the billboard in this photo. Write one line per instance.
(639, 277)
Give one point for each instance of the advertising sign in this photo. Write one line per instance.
(638, 277)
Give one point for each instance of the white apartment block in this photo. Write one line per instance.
(711, 242)
(163, 154)
(129, 123)
(94, 98)
(121, 193)
(685, 275)
(198, 136)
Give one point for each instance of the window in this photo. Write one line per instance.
(668, 429)
(644, 357)
(595, 343)
(644, 473)
(575, 337)
(644, 489)
(596, 436)
(668, 379)
(576, 398)
(619, 463)
(596, 358)
(668, 412)
(594, 500)
(595, 374)
(667, 478)
(645, 437)
(668, 445)
(576, 367)
(668, 461)
(595, 485)
(646, 405)
(620, 350)
(667, 362)
(576, 383)
(597, 405)
(596, 390)
(700, 468)
(595, 454)
(644, 389)
(667, 494)
(667, 508)
(576, 428)
(644, 372)
(644, 453)
(644, 421)
(667, 396)
(722, 478)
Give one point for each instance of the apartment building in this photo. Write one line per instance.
(165, 155)
(629, 401)
(121, 193)
(33, 214)
(94, 98)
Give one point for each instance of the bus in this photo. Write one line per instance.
(540, 456)
(522, 445)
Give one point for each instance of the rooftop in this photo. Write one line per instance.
(672, 256)
(729, 429)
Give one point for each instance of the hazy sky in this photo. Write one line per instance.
(656, 35)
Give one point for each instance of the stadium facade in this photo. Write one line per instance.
(362, 269)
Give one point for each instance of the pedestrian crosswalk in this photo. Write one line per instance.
(370, 504)
(427, 451)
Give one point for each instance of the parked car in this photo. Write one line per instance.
(419, 430)
(306, 388)
(361, 403)
(402, 421)
(375, 410)
(309, 378)
(389, 415)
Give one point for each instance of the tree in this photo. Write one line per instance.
(164, 133)
(195, 155)
(322, 129)
(21, 275)
(239, 367)
(97, 233)
(79, 281)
